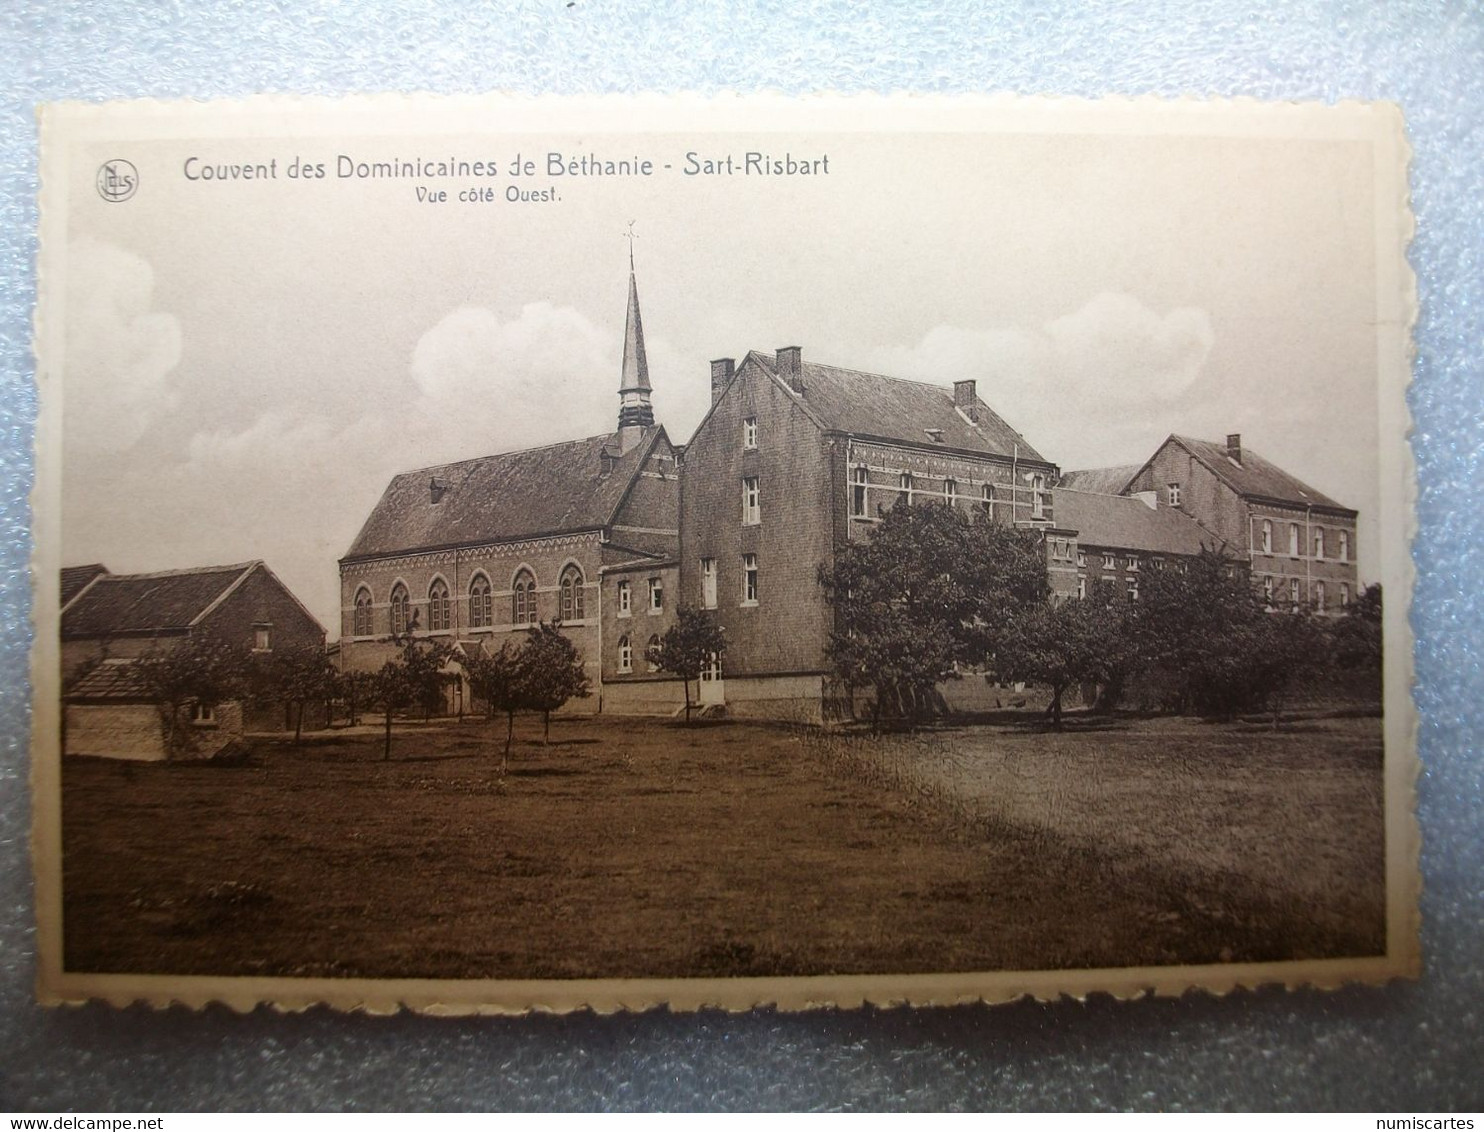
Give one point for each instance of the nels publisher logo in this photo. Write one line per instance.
(117, 180)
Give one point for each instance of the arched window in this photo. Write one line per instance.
(523, 599)
(572, 596)
(438, 617)
(481, 606)
(625, 655)
(652, 651)
(362, 625)
(401, 609)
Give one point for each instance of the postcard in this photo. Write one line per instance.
(503, 554)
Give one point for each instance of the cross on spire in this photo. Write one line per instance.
(629, 235)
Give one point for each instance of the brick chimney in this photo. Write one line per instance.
(721, 376)
(791, 367)
(965, 399)
(1234, 446)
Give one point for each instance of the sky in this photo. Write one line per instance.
(247, 363)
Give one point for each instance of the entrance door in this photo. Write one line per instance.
(713, 689)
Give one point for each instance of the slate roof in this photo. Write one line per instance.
(1109, 481)
(115, 678)
(1126, 522)
(146, 603)
(536, 491)
(76, 578)
(1256, 476)
(893, 408)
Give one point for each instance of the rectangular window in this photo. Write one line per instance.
(1174, 494)
(656, 596)
(1110, 562)
(751, 502)
(1038, 500)
(1344, 595)
(749, 579)
(1318, 542)
(260, 638)
(1267, 590)
(1293, 540)
(625, 599)
(1319, 596)
(904, 486)
(861, 477)
(708, 583)
(1082, 559)
(986, 498)
(749, 432)
(202, 713)
(1133, 589)
(950, 492)
(1082, 585)
(1132, 562)
(1344, 546)
(1293, 592)
(625, 655)
(1267, 536)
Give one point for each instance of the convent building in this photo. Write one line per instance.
(795, 459)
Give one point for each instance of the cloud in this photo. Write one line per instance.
(121, 354)
(1083, 387)
(293, 488)
(530, 380)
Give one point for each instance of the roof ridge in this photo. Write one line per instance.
(603, 436)
(945, 390)
(185, 572)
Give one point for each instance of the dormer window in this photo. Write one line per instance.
(935, 435)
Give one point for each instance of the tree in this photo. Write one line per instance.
(499, 679)
(1357, 635)
(1206, 632)
(412, 678)
(930, 589)
(199, 669)
(355, 688)
(1078, 640)
(297, 677)
(689, 647)
(551, 673)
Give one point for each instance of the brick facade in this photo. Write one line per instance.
(1294, 549)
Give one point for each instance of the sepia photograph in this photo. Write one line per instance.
(499, 555)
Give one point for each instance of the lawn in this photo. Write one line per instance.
(647, 848)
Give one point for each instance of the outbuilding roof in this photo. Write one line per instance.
(76, 578)
(894, 408)
(573, 486)
(1126, 522)
(115, 678)
(171, 600)
(1255, 476)
(1109, 481)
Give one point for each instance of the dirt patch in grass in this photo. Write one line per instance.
(645, 848)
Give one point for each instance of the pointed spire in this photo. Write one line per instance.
(635, 413)
(635, 363)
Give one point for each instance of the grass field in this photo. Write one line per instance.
(646, 848)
